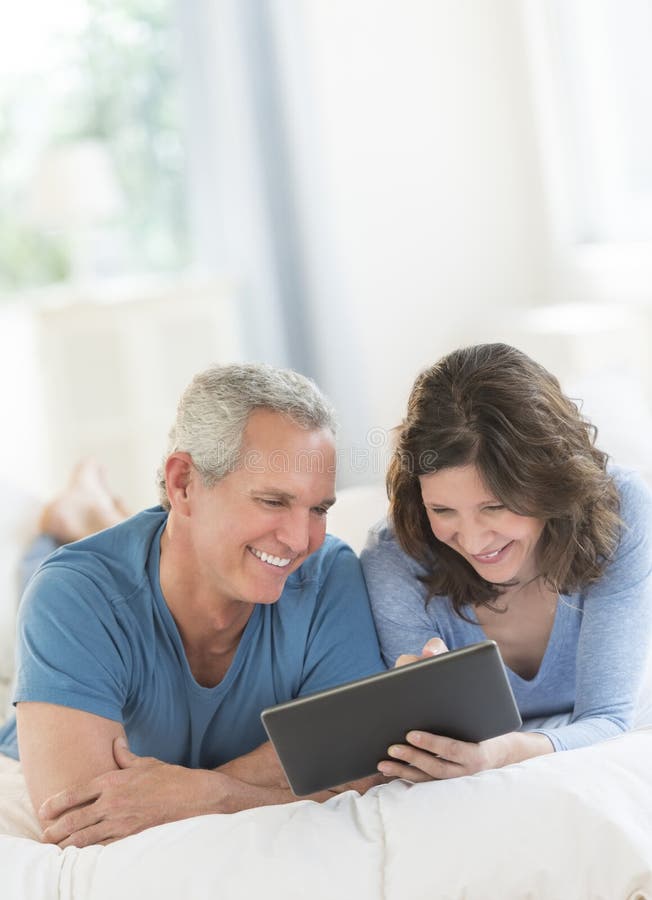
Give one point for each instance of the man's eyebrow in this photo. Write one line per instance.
(273, 492)
(284, 495)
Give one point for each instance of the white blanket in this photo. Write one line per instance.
(565, 826)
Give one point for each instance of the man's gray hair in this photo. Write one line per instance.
(215, 407)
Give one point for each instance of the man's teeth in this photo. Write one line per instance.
(272, 560)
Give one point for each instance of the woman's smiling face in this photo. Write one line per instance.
(465, 515)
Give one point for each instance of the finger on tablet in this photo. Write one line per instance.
(434, 647)
(406, 658)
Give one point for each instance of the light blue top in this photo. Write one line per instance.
(95, 634)
(594, 661)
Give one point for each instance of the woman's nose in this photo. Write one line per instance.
(473, 538)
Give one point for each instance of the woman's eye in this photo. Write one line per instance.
(496, 506)
(439, 510)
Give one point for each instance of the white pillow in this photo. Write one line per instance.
(576, 824)
(569, 825)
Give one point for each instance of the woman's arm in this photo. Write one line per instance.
(398, 598)
(616, 631)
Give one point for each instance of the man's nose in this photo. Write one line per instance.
(295, 531)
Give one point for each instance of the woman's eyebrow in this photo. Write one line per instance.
(487, 502)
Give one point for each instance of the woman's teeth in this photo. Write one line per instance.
(493, 553)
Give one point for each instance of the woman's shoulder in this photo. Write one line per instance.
(635, 495)
(379, 534)
(382, 550)
(633, 557)
(381, 541)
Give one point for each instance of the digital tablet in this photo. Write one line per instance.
(341, 734)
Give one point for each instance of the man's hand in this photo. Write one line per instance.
(143, 792)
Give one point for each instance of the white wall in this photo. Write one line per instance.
(424, 162)
(423, 212)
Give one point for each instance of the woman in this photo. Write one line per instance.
(506, 523)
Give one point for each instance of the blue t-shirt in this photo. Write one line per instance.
(95, 634)
(595, 658)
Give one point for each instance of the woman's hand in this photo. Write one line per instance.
(433, 647)
(428, 757)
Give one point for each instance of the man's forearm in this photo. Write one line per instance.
(232, 795)
(262, 768)
(145, 791)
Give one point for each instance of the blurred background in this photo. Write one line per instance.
(348, 187)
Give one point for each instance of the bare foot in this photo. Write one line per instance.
(86, 505)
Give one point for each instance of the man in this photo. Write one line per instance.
(172, 630)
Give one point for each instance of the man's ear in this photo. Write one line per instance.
(179, 471)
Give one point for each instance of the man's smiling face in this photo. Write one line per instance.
(262, 520)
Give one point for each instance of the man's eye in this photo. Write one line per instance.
(274, 504)
(320, 510)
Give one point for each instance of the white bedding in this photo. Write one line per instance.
(570, 825)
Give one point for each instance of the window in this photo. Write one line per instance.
(604, 74)
(92, 174)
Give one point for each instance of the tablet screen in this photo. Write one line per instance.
(341, 734)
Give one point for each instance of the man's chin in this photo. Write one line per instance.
(269, 597)
(270, 587)
(266, 600)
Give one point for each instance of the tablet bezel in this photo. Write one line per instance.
(340, 734)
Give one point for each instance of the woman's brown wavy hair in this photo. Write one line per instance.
(492, 406)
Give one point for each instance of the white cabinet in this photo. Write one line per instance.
(111, 372)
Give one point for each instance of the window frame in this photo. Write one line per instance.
(591, 270)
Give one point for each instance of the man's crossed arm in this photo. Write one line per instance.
(88, 788)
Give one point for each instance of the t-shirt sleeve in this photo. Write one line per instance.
(71, 651)
(398, 598)
(342, 643)
(616, 631)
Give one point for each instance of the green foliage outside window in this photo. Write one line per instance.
(118, 84)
